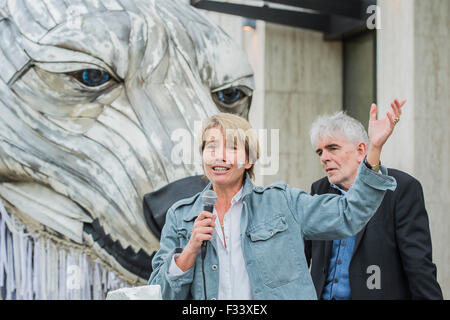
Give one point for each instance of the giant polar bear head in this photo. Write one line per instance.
(90, 92)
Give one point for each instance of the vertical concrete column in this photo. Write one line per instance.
(395, 77)
(414, 63)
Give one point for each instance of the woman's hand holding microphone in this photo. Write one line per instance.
(202, 230)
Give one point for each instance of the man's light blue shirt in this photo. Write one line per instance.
(338, 282)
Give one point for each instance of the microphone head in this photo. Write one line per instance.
(209, 198)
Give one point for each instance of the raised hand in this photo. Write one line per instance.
(381, 130)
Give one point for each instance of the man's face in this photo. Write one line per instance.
(340, 159)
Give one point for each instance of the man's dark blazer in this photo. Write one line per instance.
(396, 239)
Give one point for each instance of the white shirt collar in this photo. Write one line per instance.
(238, 196)
(341, 190)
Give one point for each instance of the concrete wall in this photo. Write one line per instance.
(302, 79)
(414, 63)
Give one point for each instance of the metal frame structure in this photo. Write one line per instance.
(336, 19)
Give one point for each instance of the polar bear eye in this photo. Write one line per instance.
(92, 77)
(230, 95)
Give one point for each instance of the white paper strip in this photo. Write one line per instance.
(34, 267)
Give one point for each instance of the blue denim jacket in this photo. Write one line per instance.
(274, 221)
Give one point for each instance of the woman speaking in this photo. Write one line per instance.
(254, 235)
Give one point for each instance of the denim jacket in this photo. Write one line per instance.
(274, 221)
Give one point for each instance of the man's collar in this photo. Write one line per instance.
(336, 187)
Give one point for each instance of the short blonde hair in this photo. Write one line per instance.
(236, 129)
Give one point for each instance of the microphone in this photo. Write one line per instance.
(209, 199)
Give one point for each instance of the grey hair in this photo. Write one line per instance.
(329, 125)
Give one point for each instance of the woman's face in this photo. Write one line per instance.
(224, 162)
